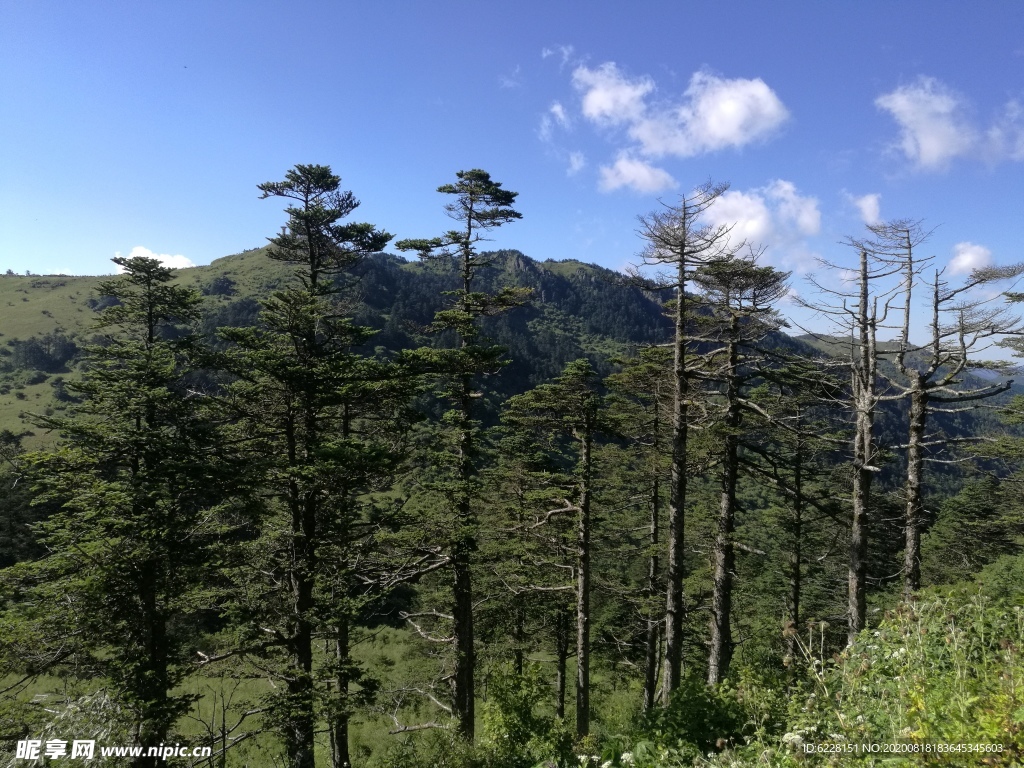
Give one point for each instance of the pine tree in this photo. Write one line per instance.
(141, 477)
(311, 411)
(788, 446)
(564, 413)
(479, 205)
(640, 408)
(740, 296)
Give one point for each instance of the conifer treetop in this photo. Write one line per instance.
(313, 237)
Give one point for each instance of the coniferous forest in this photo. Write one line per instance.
(349, 501)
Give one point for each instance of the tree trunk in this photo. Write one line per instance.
(300, 726)
(677, 504)
(462, 613)
(796, 556)
(156, 719)
(721, 646)
(561, 660)
(915, 462)
(583, 595)
(653, 625)
(863, 384)
(298, 721)
(464, 651)
(857, 574)
(339, 729)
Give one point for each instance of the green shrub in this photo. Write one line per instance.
(699, 719)
(940, 670)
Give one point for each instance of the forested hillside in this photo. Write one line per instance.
(576, 310)
(320, 504)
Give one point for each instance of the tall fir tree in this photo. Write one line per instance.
(304, 399)
(640, 410)
(142, 478)
(564, 414)
(740, 297)
(479, 205)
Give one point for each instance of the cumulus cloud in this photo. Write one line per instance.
(934, 127)
(176, 261)
(634, 174)
(968, 257)
(609, 97)
(869, 207)
(747, 213)
(576, 163)
(793, 209)
(713, 113)
(775, 216)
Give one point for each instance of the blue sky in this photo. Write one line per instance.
(148, 125)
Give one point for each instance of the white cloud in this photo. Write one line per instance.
(747, 213)
(559, 113)
(715, 114)
(934, 127)
(176, 261)
(869, 207)
(546, 127)
(556, 115)
(636, 175)
(1006, 137)
(794, 209)
(968, 257)
(776, 217)
(565, 51)
(609, 97)
(576, 163)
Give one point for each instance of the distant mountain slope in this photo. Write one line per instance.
(577, 310)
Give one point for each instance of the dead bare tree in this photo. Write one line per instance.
(680, 240)
(962, 324)
(857, 308)
(930, 374)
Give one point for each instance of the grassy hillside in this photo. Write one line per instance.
(34, 306)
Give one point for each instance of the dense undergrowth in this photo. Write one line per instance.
(940, 681)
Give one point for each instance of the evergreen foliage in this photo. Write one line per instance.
(143, 483)
(318, 504)
(310, 411)
(479, 205)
